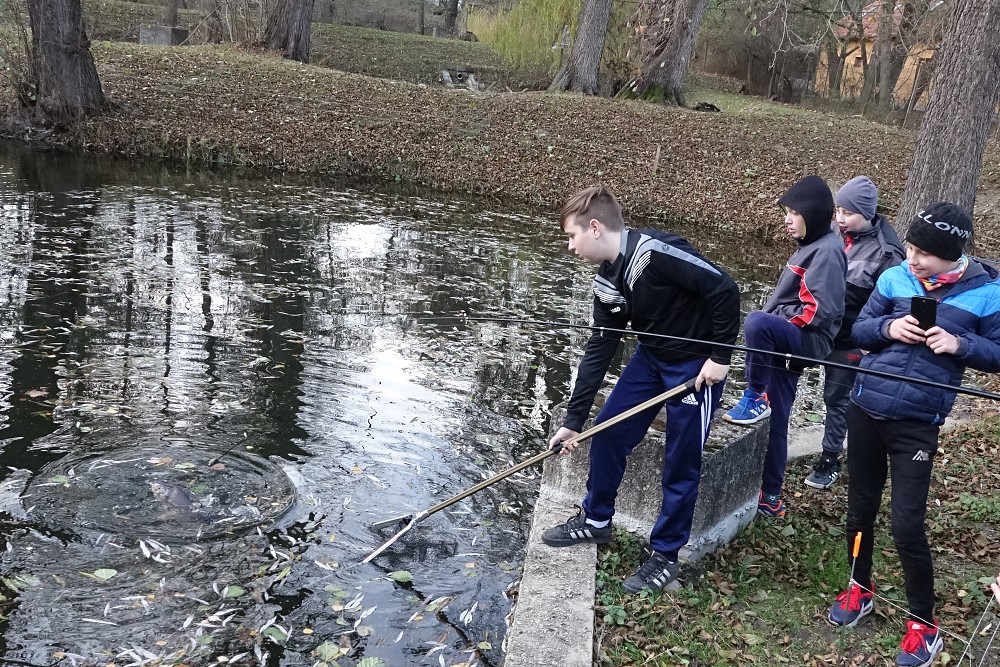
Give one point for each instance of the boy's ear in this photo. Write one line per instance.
(595, 226)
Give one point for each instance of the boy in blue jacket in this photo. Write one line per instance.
(892, 425)
(801, 318)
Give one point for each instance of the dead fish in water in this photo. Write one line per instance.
(175, 495)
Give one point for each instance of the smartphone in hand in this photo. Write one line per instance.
(924, 308)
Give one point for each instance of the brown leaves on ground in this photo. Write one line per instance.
(219, 104)
(763, 599)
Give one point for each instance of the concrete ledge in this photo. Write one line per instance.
(553, 622)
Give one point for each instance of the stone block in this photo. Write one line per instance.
(161, 35)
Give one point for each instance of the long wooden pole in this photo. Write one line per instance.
(420, 516)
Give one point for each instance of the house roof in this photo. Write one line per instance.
(871, 14)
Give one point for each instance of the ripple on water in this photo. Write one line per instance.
(164, 491)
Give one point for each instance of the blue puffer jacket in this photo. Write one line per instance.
(970, 309)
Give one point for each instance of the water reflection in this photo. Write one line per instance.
(295, 324)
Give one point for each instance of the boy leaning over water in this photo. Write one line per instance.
(801, 317)
(892, 425)
(660, 284)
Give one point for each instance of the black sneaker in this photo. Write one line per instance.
(825, 472)
(654, 574)
(576, 530)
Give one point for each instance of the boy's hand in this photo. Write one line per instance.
(907, 330)
(941, 342)
(562, 435)
(711, 373)
(996, 588)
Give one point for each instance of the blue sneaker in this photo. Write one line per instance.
(751, 409)
(852, 605)
(770, 505)
(920, 646)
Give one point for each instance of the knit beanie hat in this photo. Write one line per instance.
(812, 199)
(942, 229)
(858, 195)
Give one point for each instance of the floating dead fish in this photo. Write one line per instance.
(173, 494)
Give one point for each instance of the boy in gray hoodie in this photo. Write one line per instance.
(871, 246)
(801, 318)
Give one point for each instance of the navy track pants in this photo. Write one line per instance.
(688, 422)
(768, 373)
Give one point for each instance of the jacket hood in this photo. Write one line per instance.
(812, 199)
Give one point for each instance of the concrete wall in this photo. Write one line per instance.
(727, 496)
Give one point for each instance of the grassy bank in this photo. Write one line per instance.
(763, 599)
(380, 53)
(223, 105)
(218, 104)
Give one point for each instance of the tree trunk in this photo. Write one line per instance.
(963, 102)
(835, 59)
(170, 17)
(420, 16)
(68, 85)
(288, 29)
(213, 20)
(451, 16)
(662, 75)
(885, 54)
(579, 74)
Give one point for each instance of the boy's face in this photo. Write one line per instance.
(795, 224)
(583, 235)
(851, 222)
(924, 265)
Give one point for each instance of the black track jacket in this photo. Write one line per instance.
(662, 285)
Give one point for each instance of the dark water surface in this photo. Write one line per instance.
(152, 320)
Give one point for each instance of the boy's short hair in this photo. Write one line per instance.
(598, 202)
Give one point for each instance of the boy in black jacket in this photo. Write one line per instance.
(660, 284)
(800, 318)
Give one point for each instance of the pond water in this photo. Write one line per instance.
(211, 388)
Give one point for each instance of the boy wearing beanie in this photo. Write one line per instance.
(871, 246)
(801, 318)
(892, 425)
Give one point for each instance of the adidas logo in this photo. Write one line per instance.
(616, 309)
(922, 456)
(690, 400)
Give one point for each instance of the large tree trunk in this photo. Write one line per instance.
(288, 29)
(579, 74)
(662, 75)
(170, 16)
(68, 85)
(963, 102)
(451, 16)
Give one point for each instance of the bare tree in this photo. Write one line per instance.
(451, 15)
(671, 33)
(68, 85)
(579, 74)
(962, 106)
(288, 28)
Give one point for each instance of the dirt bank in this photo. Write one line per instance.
(219, 104)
